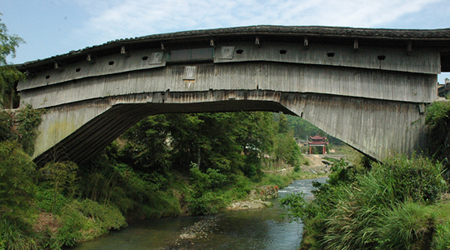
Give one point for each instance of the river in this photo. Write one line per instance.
(248, 229)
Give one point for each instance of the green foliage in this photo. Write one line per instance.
(341, 173)
(6, 123)
(136, 194)
(442, 238)
(242, 187)
(9, 43)
(17, 186)
(47, 200)
(211, 180)
(16, 235)
(417, 178)
(82, 220)
(62, 176)
(381, 209)
(288, 151)
(296, 204)
(148, 148)
(203, 198)
(281, 181)
(302, 129)
(438, 121)
(17, 191)
(28, 119)
(138, 177)
(407, 226)
(207, 203)
(9, 75)
(283, 124)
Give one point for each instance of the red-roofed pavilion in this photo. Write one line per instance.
(318, 141)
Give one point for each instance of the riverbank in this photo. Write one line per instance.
(264, 229)
(165, 166)
(399, 204)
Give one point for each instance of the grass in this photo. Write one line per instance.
(395, 205)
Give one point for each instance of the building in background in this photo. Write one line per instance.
(318, 141)
(444, 89)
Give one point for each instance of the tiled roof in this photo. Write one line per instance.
(441, 35)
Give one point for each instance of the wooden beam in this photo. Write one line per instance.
(257, 42)
(90, 59)
(58, 66)
(305, 43)
(409, 47)
(125, 52)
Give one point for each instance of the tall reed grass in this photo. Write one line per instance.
(388, 207)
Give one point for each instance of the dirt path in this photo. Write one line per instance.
(316, 164)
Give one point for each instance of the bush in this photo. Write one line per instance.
(379, 209)
(17, 187)
(6, 122)
(81, 221)
(407, 226)
(442, 238)
(438, 120)
(15, 234)
(204, 197)
(418, 179)
(28, 120)
(207, 203)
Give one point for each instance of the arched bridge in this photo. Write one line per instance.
(367, 87)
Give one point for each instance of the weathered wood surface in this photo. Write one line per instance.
(365, 87)
(376, 127)
(343, 81)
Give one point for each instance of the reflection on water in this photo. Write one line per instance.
(250, 229)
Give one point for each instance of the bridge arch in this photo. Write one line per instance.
(370, 87)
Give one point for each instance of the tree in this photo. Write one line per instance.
(16, 180)
(9, 75)
(147, 148)
(62, 177)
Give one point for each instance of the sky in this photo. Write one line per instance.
(54, 27)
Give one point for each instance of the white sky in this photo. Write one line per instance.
(53, 27)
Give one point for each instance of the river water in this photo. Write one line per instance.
(248, 229)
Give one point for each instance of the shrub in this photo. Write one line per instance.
(206, 203)
(17, 186)
(6, 122)
(438, 120)
(442, 238)
(417, 178)
(28, 120)
(204, 197)
(379, 209)
(407, 226)
(15, 234)
(84, 220)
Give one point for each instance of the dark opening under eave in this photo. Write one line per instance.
(445, 61)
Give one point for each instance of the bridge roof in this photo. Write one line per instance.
(439, 38)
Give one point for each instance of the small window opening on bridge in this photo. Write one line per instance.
(381, 57)
(78, 70)
(47, 77)
(240, 51)
(283, 51)
(330, 54)
(144, 58)
(111, 63)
